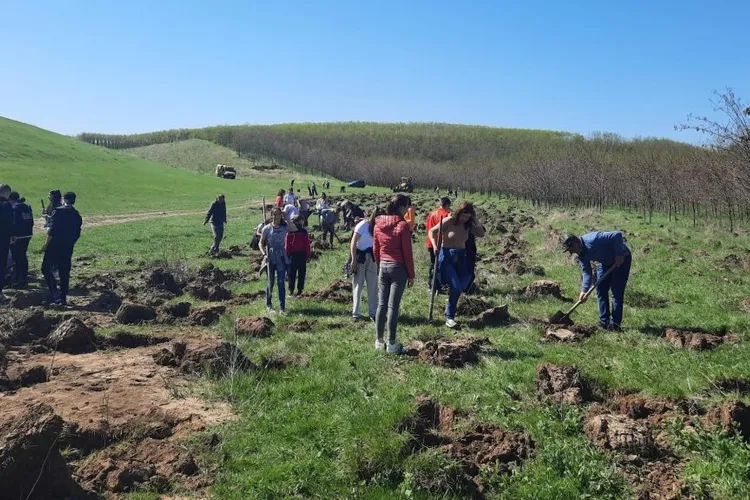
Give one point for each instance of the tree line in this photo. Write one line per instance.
(546, 167)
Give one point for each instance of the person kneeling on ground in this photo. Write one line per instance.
(64, 230)
(23, 229)
(363, 267)
(273, 248)
(298, 252)
(392, 248)
(452, 263)
(608, 249)
(217, 215)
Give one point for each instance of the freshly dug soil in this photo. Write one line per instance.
(206, 316)
(72, 336)
(618, 433)
(472, 306)
(696, 339)
(450, 353)
(134, 314)
(543, 288)
(254, 327)
(568, 333)
(107, 301)
(301, 326)
(339, 291)
(562, 384)
(496, 316)
(731, 416)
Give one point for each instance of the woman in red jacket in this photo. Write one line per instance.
(298, 252)
(393, 253)
(280, 199)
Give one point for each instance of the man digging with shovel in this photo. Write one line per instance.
(608, 249)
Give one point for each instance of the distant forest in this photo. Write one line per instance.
(546, 167)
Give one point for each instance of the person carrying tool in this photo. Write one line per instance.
(608, 249)
(452, 264)
(64, 231)
(6, 234)
(23, 229)
(298, 253)
(217, 215)
(433, 219)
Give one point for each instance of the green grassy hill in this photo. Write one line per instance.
(34, 161)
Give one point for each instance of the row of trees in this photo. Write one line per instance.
(549, 168)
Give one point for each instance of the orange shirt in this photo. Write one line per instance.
(433, 220)
(411, 217)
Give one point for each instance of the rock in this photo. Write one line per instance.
(621, 434)
(543, 288)
(107, 301)
(206, 316)
(134, 314)
(497, 316)
(72, 336)
(254, 326)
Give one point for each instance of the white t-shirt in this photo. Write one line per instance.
(290, 199)
(290, 212)
(365, 238)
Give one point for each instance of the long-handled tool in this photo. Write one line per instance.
(433, 285)
(561, 318)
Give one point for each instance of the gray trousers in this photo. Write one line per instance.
(391, 284)
(218, 231)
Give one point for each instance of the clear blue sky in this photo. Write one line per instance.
(633, 67)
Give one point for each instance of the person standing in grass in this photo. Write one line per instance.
(6, 234)
(433, 219)
(23, 229)
(217, 215)
(328, 219)
(280, 198)
(64, 231)
(392, 248)
(452, 263)
(608, 249)
(304, 210)
(320, 205)
(273, 248)
(363, 267)
(298, 252)
(290, 198)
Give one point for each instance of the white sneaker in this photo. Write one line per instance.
(282, 312)
(270, 311)
(379, 345)
(395, 349)
(451, 323)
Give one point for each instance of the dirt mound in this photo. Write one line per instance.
(211, 293)
(543, 288)
(301, 326)
(163, 280)
(22, 376)
(472, 306)
(178, 310)
(339, 291)
(731, 416)
(568, 333)
(661, 480)
(254, 327)
(562, 384)
(488, 445)
(22, 327)
(637, 407)
(72, 336)
(151, 463)
(206, 316)
(27, 299)
(450, 353)
(134, 314)
(621, 434)
(696, 339)
(217, 359)
(107, 301)
(496, 316)
(208, 274)
(32, 466)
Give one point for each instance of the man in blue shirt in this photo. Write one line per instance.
(607, 249)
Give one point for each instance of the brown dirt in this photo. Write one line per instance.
(134, 314)
(738, 385)
(107, 301)
(472, 306)
(72, 336)
(206, 316)
(696, 339)
(22, 327)
(179, 310)
(301, 326)
(562, 384)
(450, 353)
(496, 316)
(543, 288)
(731, 416)
(488, 445)
(24, 300)
(568, 333)
(339, 291)
(254, 327)
(621, 434)
(211, 293)
(216, 359)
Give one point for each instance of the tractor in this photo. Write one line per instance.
(225, 172)
(406, 186)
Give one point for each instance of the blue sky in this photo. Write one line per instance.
(632, 67)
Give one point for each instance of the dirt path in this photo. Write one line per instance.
(110, 220)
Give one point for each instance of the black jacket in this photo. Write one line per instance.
(6, 220)
(65, 227)
(23, 220)
(217, 213)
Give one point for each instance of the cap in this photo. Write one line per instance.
(445, 201)
(569, 240)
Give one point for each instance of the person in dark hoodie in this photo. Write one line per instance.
(23, 228)
(298, 252)
(217, 215)
(392, 247)
(6, 234)
(64, 230)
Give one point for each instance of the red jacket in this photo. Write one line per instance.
(392, 242)
(433, 220)
(298, 242)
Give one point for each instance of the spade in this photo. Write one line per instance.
(561, 318)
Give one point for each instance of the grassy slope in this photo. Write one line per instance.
(33, 161)
(305, 432)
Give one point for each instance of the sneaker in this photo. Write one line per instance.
(379, 345)
(614, 327)
(282, 312)
(270, 311)
(395, 349)
(356, 318)
(451, 323)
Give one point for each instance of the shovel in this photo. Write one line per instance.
(561, 318)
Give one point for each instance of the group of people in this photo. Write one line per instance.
(63, 227)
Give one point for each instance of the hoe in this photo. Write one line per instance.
(561, 318)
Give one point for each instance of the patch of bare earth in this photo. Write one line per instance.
(339, 291)
(450, 353)
(568, 333)
(696, 339)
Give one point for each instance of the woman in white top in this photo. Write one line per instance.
(364, 268)
(290, 198)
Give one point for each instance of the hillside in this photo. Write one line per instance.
(33, 161)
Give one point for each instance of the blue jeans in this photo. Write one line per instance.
(615, 282)
(277, 270)
(455, 273)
